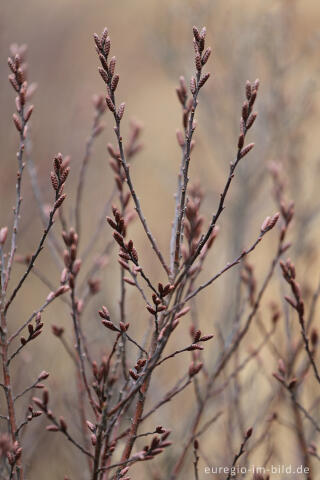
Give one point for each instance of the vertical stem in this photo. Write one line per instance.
(301, 440)
(185, 169)
(122, 345)
(8, 388)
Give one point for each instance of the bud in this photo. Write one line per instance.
(182, 312)
(91, 426)
(108, 324)
(52, 428)
(150, 309)
(251, 120)
(194, 346)
(206, 56)
(17, 122)
(50, 297)
(314, 337)
(60, 201)
(203, 79)
(110, 104)
(248, 89)
(57, 331)
(246, 150)
(196, 33)
(61, 290)
(180, 138)
(193, 85)
(121, 110)
(133, 374)
(112, 65)
(28, 113)
(3, 235)
(63, 424)
(114, 82)
(198, 62)
(43, 375)
(269, 223)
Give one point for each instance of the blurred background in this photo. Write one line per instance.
(276, 41)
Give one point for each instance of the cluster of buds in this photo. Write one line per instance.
(72, 263)
(9, 449)
(32, 413)
(102, 383)
(58, 178)
(193, 221)
(60, 427)
(107, 72)
(158, 299)
(196, 348)
(5, 444)
(43, 402)
(127, 250)
(105, 316)
(14, 453)
(289, 274)
(200, 59)
(187, 106)
(137, 370)
(197, 337)
(34, 331)
(120, 176)
(157, 446)
(57, 425)
(196, 82)
(18, 81)
(92, 428)
(164, 290)
(132, 148)
(286, 208)
(247, 118)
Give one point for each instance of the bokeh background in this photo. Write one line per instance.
(276, 41)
